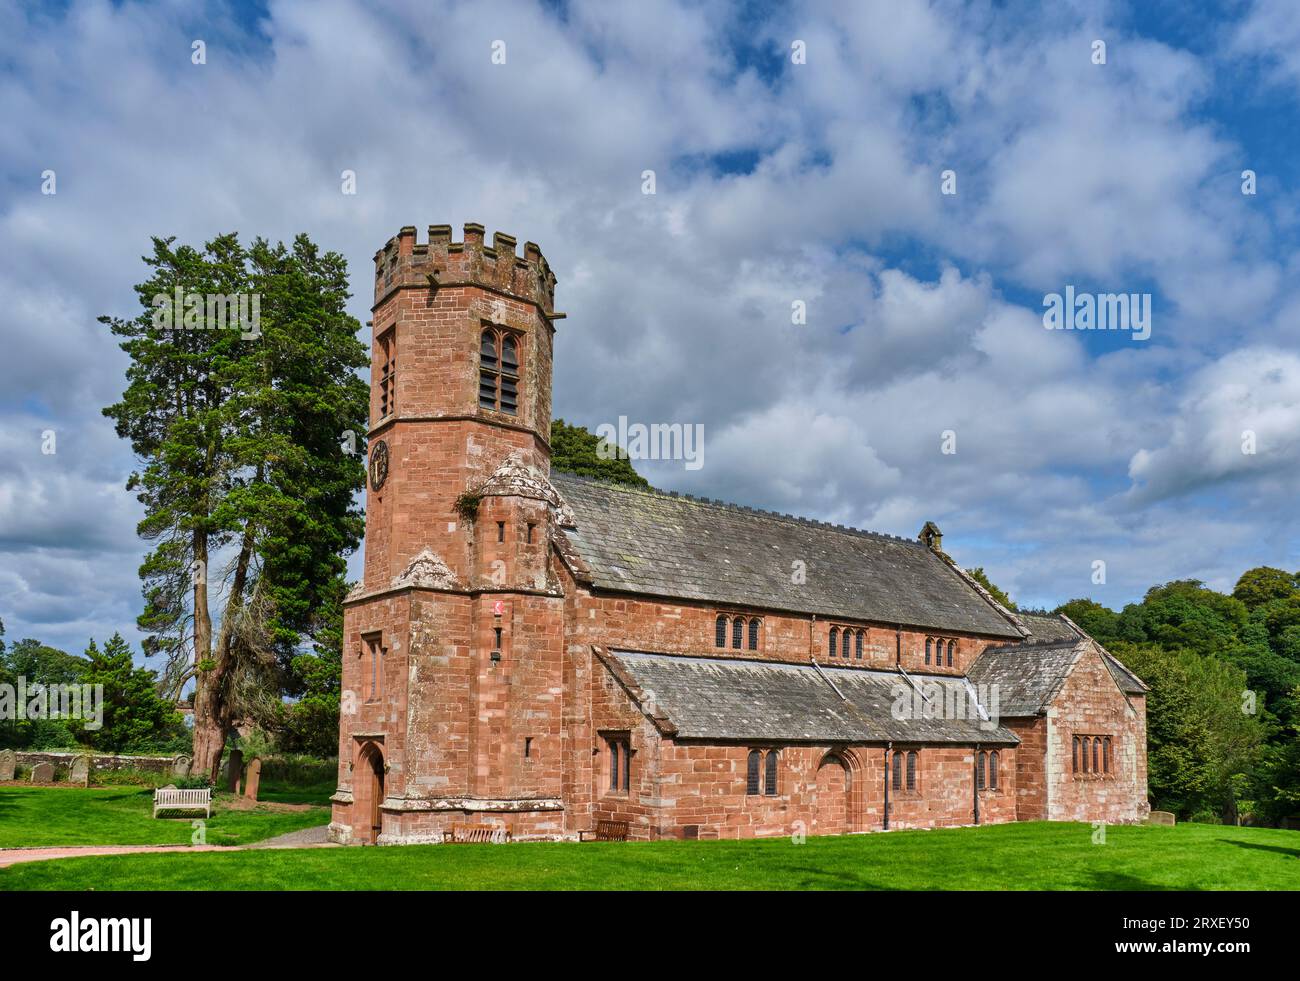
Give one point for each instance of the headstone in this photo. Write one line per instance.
(181, 766)
(252, 777)
(43, 773)
(234, 770)
(80, 771)
(8, 763)
(1161, 817)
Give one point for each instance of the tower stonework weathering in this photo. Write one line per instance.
(546, 654)
(456, 584)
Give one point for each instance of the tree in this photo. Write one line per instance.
(245, 485)
(1263, 583)
(1201, 744)
(135, 717)
(982, 578)
(39, 665)
(1098, 622)
(575, 450)
(311, 724)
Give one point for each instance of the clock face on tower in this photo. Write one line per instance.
(378, 465)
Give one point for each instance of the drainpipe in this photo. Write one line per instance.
(975, 781)
(888, 747)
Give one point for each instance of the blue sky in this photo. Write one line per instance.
(776, 182)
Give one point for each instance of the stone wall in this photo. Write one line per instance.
(62, 762)
(1090, 703)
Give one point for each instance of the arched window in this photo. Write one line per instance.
(911, 769)
(753, 634)
(844, 648)
(929, 643)
(1105, 754)
(857, 650)
(720, 638)
(1096, 754)
(898, 771)
(835, 641)
(769, 781)
(498, 371)
(952, 646)
(1084, 746)
(993, 770)
(979, 770)
(751, 776)
(738, 632)
(1074, 760)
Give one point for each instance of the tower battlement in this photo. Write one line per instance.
(439, 262)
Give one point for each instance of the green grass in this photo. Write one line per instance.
(31, 817)
(1009, 856)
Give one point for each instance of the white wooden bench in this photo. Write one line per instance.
(171, 799)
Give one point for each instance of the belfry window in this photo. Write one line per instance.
(498, 371)
(387, 351)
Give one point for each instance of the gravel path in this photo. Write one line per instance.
(306, 838)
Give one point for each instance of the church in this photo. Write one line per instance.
(541, 652)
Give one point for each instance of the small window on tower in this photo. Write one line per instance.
(531, 526)
(501, 531)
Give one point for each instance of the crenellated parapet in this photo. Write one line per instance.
(440, 262)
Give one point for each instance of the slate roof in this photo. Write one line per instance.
(1048, 626)
(682, 547)
(1026, 675)
(745, 700)
(1052, 627)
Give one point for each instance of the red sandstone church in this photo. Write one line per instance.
(541, 652)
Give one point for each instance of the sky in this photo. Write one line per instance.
(800, 153)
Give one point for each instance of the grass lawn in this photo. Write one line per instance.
(34, 816)
(1008, 856)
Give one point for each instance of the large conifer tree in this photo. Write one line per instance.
(245, 475)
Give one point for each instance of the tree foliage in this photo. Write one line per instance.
(575, 450)
(249, 494)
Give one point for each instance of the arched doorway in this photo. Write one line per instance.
(831, 791)
(368, 793)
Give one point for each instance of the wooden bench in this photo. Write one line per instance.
(606, 831)
(171, 799)
(476, 834)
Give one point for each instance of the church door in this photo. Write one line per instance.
(831, 796)
(368, 794)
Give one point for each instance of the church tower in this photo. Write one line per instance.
(452, 640)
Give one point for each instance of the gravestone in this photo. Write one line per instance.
(252, 777)
(43, 773)
(8, 763)
(181, 766)
(234, 771)
(80, 771)
(1161, 817)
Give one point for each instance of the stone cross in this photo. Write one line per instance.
(252, 777)
(43, 773)
(80, 771)
(8, 763)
